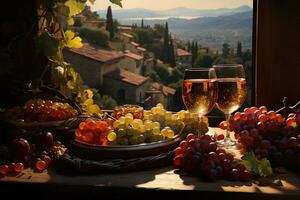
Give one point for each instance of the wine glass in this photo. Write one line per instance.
(199, 90)
(231, 93)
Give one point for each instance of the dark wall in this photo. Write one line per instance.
(278, 52)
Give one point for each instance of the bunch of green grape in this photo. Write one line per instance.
(129, 131)
(192, 122)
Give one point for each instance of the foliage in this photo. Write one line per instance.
(162, 71)
(85, 99)
(107, 102)
(239, 50)
(172, 60)
(260, 167)
(110, 23)
(50, 41)
(96, 37)
(205, 60)
(226, 50)
(154, 76)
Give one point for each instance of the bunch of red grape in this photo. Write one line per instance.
(201, 155)
(266, 133)
(20, 153)
(43, 110)
(94, 131)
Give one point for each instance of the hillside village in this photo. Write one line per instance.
(121, 69)
(139, 64)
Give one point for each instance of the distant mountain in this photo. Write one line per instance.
(125, 14)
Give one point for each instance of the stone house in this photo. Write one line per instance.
(159, 93)
(125, 86)
(183, 56)
(132, 62)
(92, 63)
(126, 38)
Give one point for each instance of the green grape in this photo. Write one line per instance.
(135, 125)
(116, 124)
(122, 119)
(164, 131)
(148, 124)
(175, 117)
(133, 140)
(159, 137)
(141, 138)
(121, 132)
(129, 131)
(147, 134)
(156, 131)
(142, 128)
(170, 134)
(129, 115)
(111, 136)
(128, 120)
(122, 141)
(122, 126)
(155, 125)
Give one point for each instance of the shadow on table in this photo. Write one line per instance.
(289, 189)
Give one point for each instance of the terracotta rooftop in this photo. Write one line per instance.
(134, 56)
(127, 76)
(165, 89)
(141, 49)
(127, 35)
(181, 52)
(97, 54)
(135, 44)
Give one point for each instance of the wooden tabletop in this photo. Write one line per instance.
(158, 180)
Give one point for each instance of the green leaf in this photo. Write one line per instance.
(265, 166)
(47, 44)
(71, 41)
(261, 167)
(70, 21)
(92, 1)
(75, 7)
(117, 2)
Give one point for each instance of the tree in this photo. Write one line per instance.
(153, 76)
(96, 37)
(110, 23)
(166, 44)
(162, 72)
(189, 46)
(239, 49)
(171, 53)
(204, 61)
(142, 24)
(226, 50)
(194, 51)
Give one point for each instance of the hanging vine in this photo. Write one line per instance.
(54, 18)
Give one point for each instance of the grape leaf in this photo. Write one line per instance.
(75, 7)
(93, 109)
(265, 167)
(47, 44)
(71, 41)
(92, 1)
(70, 21)
(117, 2)
(88, 102)
(89, 93)
(261, 167)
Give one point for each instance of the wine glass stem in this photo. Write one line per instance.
(228, 129)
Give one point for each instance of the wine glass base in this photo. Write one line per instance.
(228, 144)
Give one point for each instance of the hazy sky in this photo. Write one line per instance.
(167, 4)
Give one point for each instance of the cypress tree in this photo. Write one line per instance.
(110, 23)
(171, 53)
(142, 24)
(189, 46)
(166, 44)
(239, 49)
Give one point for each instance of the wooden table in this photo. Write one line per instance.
(146, 184)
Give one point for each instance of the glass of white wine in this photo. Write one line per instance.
(231, 93)
(199, 90)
